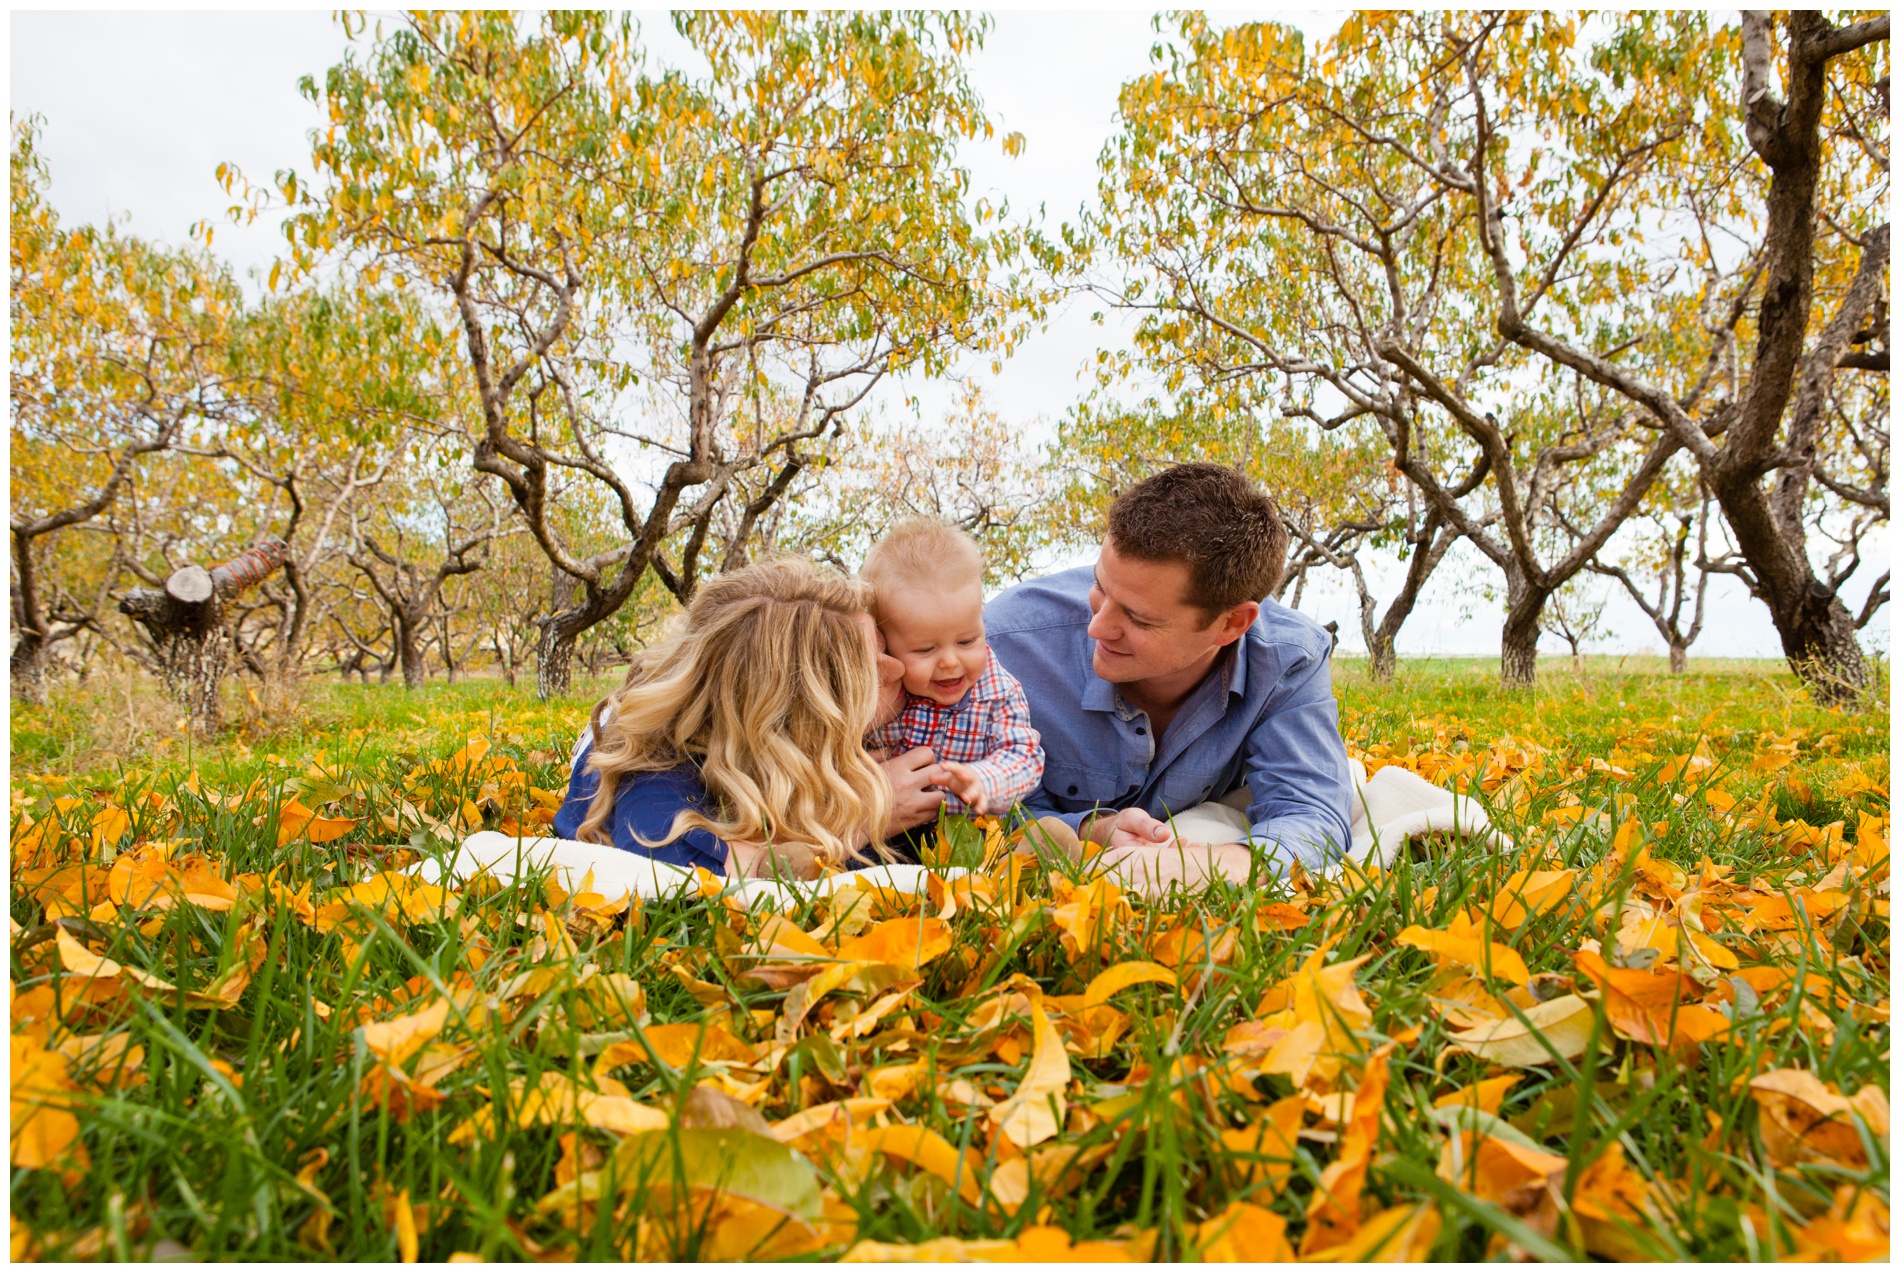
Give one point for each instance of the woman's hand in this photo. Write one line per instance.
(913, 777)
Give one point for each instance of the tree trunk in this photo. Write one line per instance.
(1678, 658)
(1520, 657)
(1522, 627)
(26, 667)
(555, 673)
(1383, 657)
(1817, 632)
(409, 653)
(1824, 649)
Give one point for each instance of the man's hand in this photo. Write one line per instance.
(912, 775)
(1151, 869)
(1129, 828)
(966, 785)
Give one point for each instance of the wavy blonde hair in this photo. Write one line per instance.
(767, 684)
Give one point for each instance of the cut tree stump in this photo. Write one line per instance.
(185, 621)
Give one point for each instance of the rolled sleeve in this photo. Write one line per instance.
(1295, 762)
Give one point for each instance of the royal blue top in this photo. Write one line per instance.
(1264, 716)
(645, 805)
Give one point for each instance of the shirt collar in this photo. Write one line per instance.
(1100, 696)
(915, 700)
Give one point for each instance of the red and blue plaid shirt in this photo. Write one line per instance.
(987, 729)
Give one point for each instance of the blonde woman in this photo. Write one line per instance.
(737, 742)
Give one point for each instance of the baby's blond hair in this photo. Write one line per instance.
(925, 552)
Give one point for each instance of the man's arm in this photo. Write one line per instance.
(1295, 763)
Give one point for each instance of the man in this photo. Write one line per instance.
(1167, 689)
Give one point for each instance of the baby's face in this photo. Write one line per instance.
(938, 637)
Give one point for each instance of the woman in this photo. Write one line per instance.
(737, 742)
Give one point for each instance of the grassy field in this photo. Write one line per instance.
(1658, 1028)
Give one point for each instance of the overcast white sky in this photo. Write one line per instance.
(140, 108)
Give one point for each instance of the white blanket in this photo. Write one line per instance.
(617, 872)
(1387, 810)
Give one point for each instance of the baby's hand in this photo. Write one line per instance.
(966, 785)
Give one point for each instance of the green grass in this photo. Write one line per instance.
(201, 1154)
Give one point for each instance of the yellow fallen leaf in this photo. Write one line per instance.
(44, 1129)
(935, 1251)
(1564, 1024)
(80, 962)
(1332, 1214)
(1528, 893)
(905, 942)
(1244, 1233)
(1493, 1167)
(926, 1149)
(294, 820)
(1857, 1229)
(407, 1244)
(554, 1100)
(1806, 1120)
(1400, 1235)
(845, 1113)
(394, 1041)
(1034, 1113)
(1463, 942)
(1265, 1151)
(1113, 980)
(1486, 1094)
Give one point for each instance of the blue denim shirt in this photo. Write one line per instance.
(645, 805)
(1264, 716)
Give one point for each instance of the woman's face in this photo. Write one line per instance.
(890, 675)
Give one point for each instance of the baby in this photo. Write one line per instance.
(958, 700)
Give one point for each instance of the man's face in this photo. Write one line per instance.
(1143, 625)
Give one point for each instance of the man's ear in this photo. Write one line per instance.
(1233, 625)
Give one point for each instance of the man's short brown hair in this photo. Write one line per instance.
(1224, 528)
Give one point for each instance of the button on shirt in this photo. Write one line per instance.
(1264, 716)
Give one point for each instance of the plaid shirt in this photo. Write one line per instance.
(987, 729)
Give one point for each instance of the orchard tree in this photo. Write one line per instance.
(633, 258)
(1809, 203)
(1663, 570)
(1295, 220)
(1468, 212)
(117, 349)
(409, 536)
(339, 380)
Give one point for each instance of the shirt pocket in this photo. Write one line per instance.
(1075, 788)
